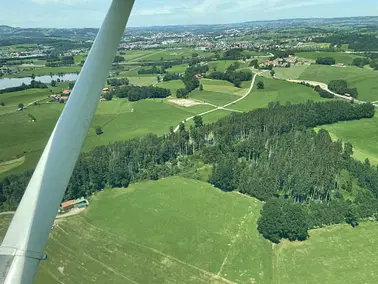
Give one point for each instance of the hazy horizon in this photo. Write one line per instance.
(89, 14)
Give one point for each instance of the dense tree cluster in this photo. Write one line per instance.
(136, 93)
(326, 61)
(272, 154)
(171, 76)
(231, 75)
(341, 87)
(118, 59)
(360, 61)
(152, 70)
(33, 85)
(118, 81)
(356, 41)
(190, 80)
(54, 60)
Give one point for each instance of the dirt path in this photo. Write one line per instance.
(226, 105)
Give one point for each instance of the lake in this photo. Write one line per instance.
(15, 82)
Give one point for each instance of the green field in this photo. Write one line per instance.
(143, 81)
(364, 80)
(223, 87)
(361, 133)
(25, 97)
(8, 165)
(222, 65)
(276, 90)
(335, 255)
(179, 230)
(46, 71)
(216, 98)
(173, 85)
(171, 54)
(340, 57)
(178, 68)
(293, 73)
(174, 230)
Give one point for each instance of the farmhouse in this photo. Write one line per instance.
(198, 76)
(66, 92)
(105, 90)
(70, 204)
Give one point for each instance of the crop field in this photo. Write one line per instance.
(276, 90)
(178, 68)
(361, 133)
(340, 57)
(293, 73)
(338, 255)
(364, 80)
(216, 98)
(223, 87)
(160, 232)
(173, 85)
(142, 81)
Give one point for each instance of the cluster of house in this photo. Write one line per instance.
(71, 204)
(63, 97)
(280, 62)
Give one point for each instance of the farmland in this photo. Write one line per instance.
(363, 79)
(340, 57)
(160, 231)
(337, 254)
(156, 232)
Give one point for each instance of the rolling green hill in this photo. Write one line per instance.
(178, 230)
(363, 79)
(171, 231)
(340, 57)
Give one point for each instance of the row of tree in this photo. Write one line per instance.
(33, 85)
(136, 93)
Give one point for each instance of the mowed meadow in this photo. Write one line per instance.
(179, 230)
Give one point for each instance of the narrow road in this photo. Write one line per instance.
(325, 87)
(225, 106)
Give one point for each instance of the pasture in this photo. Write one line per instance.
(293, 73)
(143, 81)
(340, 57)
(178, 68)
(173, 230)
(222, 65)
(363, 79)
(173, 85)
(361, 133)
(335, 255)
(216, 98)
(222, 86)
(276, 90)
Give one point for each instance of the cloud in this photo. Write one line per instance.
(66, 2)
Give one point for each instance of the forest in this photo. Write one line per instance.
(231, 75)
(272, 154)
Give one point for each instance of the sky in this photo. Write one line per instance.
(90, 13)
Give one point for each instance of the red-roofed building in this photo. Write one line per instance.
(67, 205)
(105, 90)
(66, 92)
(198, 76)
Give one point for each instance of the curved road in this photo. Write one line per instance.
(325, 87)
(226, 105)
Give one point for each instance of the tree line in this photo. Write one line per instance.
(136, 93)
(33, 85)
(267, 153)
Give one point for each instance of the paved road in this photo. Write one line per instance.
(325, 87)
(225, 106)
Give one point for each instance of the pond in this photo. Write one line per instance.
(15, 82)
